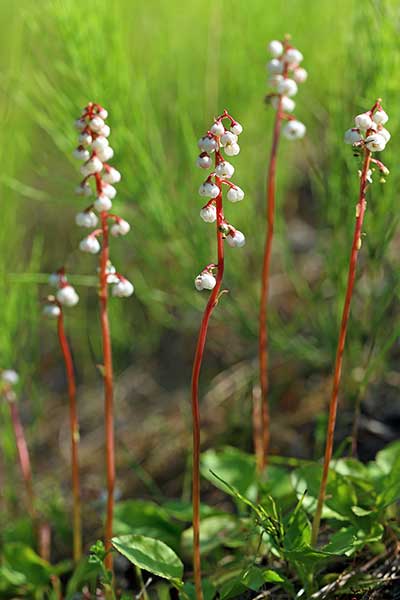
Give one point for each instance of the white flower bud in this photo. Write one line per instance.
(67, 296)
(380, 117)
(85, 139)
(209, 213)
(224, 169)
(90, 244)
(375, 142)
(275, 48)
(204, 161)
(300, 75)
(122, 289)
(232, 149)
(363, 121)
(209, 189)
(51, 311)
(236, 239)
(96, 124)
(275, 67)
(80, 124)
(235, 194)
(102, 203)
(228, 138)
(81, 154)
(105, 131)
(352, 137)
(384, 133)
(83, 190)
(103, 113)
(236, 128)
(205, 281)
(217, 128)
(207, 144)
(121, 227)
(287, 104)
(275, 80)
(293, 56)
(294, 130)
(105, 154)
(86, 219)
(109, 190)
(100, 143)
(287, 87)
(10, 376)
(94, 165)
(111, 175)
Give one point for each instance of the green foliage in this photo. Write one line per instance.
(152, 555)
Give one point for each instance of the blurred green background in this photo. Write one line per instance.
(164, 69)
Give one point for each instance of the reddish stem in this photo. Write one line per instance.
(361, 206)
(108, 389)
(263, 433)
(23, 456)
(198, 359)
(74, 432)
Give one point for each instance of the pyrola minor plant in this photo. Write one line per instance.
(222, 136)
(53, 309)
(285, 73)
(95, 151)
(8, 380)
(368, 136)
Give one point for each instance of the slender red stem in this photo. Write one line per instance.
(198, 359)
(74, 433)
(263, 433)
(23, 456)
(361, 206)
(108, 389)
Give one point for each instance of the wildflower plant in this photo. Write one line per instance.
(99, 178)
(367, 136)
(9, 379)
(221, 138)
(285, 73)
(54, 309)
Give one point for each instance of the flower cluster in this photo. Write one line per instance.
(219, 138)
(94, 149)
(370, 134)
(284, 75)
(64, 296)
(8, 380)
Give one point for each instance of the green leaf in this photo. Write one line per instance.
(152, 555)
(340, 494)
(350, 539)
(188, 590)
(24, 560)
(146, 518)
(182, 511)
(221, 530)
(255, 577)
(235, 467)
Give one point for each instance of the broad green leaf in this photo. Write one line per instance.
(234, 466)
(389, 457)
(146, 518)
(221, 530)
(23, 559)
(350, 539)
(255, 577)
(150, 554)
(297, 531)
(182, 511)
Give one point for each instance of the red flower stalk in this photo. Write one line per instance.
(283, 66)
(95, 150)
(367, 136)
(8, 380)
(216, 138)
(66, 296)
